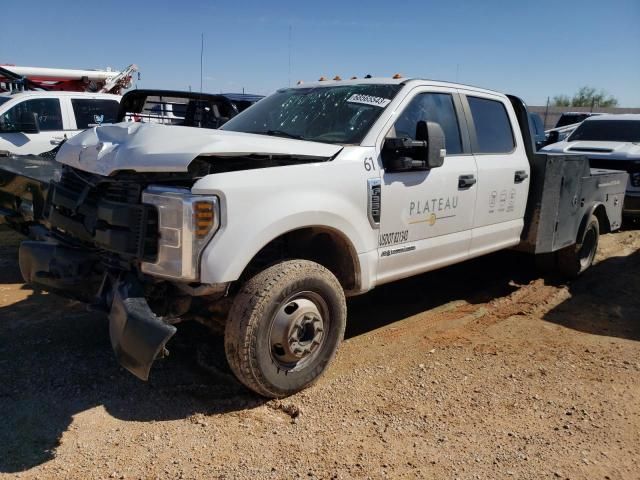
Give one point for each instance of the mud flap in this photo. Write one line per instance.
(138, 336)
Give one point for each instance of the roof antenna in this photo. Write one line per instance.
(201, 55)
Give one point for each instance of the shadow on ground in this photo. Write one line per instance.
(605, 300)
(56, 360)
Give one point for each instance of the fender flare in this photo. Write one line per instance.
(587, 216)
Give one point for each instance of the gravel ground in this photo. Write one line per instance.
(483, 370)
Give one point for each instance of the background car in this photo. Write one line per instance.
(610, 142)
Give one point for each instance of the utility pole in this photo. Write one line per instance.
(546, 113)
(201, 55)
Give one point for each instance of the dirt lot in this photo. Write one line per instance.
(483, 370)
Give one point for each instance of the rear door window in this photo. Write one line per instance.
(90, 112)
(492, 126)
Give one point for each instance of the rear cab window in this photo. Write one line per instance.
(90, 112)
(493, 130)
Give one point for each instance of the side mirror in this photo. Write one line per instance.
(436, 145)
(426, 152)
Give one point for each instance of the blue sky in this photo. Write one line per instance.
(532, 49)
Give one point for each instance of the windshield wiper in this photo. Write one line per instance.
(282, 133)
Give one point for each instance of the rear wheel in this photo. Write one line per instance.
(284, 327)
(575, 259)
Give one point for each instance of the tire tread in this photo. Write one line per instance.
(248, 309)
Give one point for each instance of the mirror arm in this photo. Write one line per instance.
(419, 165)
(419, 144)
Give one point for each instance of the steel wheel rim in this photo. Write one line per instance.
(587, 249)
(298, 330)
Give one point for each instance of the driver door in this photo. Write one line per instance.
(427, 215)
(50, 122)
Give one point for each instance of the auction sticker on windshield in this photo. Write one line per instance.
(369, 100)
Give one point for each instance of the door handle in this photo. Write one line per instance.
(57, 140)
(520, 176)
(466, 181)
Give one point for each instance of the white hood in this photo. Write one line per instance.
(148, 147)
(598, 149)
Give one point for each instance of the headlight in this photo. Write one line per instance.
(186, 223)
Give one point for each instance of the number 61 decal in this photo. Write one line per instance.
(369, 164)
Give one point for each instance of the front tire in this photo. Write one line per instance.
(284, 327)
(575, 259)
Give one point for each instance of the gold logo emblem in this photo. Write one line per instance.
(432, 219)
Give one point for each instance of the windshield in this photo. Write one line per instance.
(570, 119)
(339, 114)
(608, 131)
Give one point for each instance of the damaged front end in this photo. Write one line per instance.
(127, 233)
(138, 335)
(119, 244)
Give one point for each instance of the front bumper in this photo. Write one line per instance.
(631, 206)
(138, 336)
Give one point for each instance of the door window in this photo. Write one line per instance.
(92, 112)
(430, 107)
(47, 109)
(493, 129)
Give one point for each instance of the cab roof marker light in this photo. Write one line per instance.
(337, 78)
(397, 76)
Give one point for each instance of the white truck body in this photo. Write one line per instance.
(61, 115)
(312, 194)
(486, 217)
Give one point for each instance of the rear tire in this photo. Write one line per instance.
(284, 327)
(575, 259)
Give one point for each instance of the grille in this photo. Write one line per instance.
(104, 213)
(122, 192)
(624, 165)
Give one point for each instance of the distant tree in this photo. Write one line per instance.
(562, 101)
(586, 97)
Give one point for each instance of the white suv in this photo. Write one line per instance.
(35, 122)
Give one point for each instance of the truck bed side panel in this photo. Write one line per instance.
(563, 190)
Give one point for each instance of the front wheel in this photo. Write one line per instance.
(575, 259)
(284, 327)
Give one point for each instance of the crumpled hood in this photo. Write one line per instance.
(613, 150)
(148, 147)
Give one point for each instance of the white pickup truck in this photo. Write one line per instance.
(35, 122)
(315, 193)
(612, 142)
